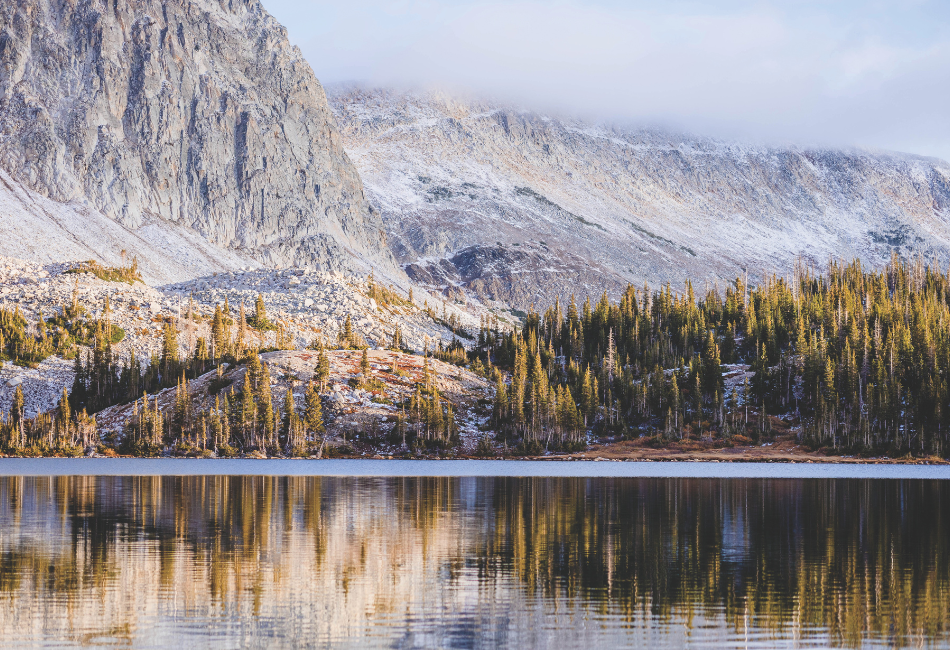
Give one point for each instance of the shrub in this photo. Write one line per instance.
(129, 274)
(227, 451)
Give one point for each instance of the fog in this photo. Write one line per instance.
(870, 74)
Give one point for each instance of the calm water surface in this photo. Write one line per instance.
(238, 561)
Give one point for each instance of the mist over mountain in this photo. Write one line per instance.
(518, 207)
(193, 135)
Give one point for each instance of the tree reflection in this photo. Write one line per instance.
(850, 558)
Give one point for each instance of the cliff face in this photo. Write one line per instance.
(194, 112)
(520, 207)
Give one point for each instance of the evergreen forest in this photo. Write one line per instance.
(849, 361)
(857, 359)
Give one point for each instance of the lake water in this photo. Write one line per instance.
(472, 562)
(457, 468)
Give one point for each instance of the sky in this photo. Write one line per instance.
(872, 74)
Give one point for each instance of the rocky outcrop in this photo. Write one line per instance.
(196, 113)
(307, 304)
(521, 207)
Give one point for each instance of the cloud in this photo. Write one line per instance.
(869, 73)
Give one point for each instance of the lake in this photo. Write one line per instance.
(473, 561)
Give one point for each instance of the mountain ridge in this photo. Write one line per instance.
(459, 181)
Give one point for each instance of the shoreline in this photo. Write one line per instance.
(370, 468)
(624, 451)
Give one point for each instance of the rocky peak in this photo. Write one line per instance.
(193, 112)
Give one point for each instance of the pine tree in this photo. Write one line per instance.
(435, 419)
(182, 413)
(225, 416)
(248, 411)
(217, 430)
(322, 371)
(397, 339)
(674, 401)
(260, 314)
(501, 400)
(169, 351)
(588, 396)
(240, 344)
(255, 369)
(313, 410)
(201, 357)
(346, 335)
(64, 412)
(218, 344)
(289, 422)
(16, 410)
(426, 372)
(266, 407)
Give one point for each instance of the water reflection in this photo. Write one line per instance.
(473, 562)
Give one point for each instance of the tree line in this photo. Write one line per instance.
(854, 360)
(237, 420)
(858, 358)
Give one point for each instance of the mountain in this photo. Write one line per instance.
(519, 207)
(190, 117)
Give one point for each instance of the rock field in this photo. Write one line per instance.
(309, 304)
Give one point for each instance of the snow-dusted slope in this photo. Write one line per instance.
(517, 206)
(43, 231)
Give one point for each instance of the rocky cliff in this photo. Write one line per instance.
(193, 114)
(517, 206)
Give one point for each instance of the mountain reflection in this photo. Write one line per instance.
(469, 562)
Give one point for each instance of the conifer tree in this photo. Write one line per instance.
(255, 368)
(313, 410)
(588, 396)
(225, 416)
(260, 314)
(169, 351)
(16, 410)
(64, 412)
(397, 339)
(200, 362)
(182, 413)
(518, 387)
(322, 371)
(217, 429)
(289, 422)
(218, 343)
(266, 407)
(248, 412)
(501, 400)
(674, 401)
(240, 344)
(346, 334)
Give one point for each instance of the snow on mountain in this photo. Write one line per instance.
(35, 228)
(518, 207)
(179, 121)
